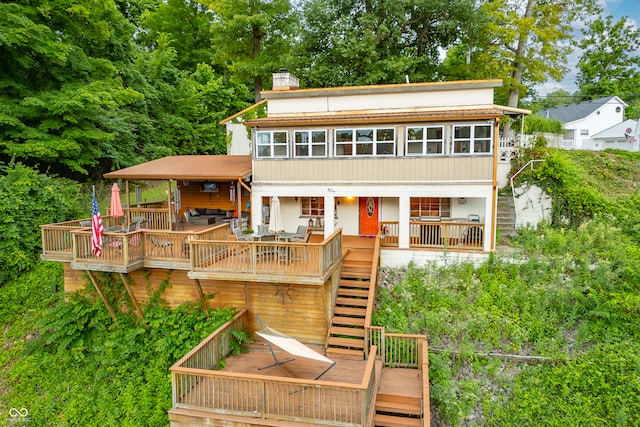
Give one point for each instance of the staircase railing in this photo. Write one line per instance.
(529, 164)
(372, 294)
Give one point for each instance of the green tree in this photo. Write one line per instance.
(609, 64)
(60, 83)
(254, 37)
(524, 42)
(27, 200)
(189, 27)
(359, 42)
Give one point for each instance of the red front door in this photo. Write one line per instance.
(369, 216)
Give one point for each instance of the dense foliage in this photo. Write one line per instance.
(569, 294)
(27, 200)
(75, 366)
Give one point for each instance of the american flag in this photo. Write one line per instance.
(96, 226)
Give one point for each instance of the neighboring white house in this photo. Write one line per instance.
(623, 136)
(583, 120)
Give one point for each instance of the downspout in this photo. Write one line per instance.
(494, 192)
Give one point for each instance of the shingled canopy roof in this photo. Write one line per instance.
(195, 168)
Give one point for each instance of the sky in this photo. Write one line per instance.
(617, 9)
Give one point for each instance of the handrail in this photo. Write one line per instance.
(372, 290)
(513, 191)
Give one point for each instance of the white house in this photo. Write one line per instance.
(583, 120)
(417, 162)
(623, 136)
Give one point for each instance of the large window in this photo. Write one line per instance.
(425, 206)
(472, 139)
(365, 142)
(312, 206)
(423, 141)
(310, 143)
(272, 144)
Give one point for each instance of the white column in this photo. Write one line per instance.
(488, 235)
(256, 210)
(404, 214)
(329, 215)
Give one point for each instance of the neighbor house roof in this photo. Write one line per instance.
(196, 168)
(619, 130)
(572, 112)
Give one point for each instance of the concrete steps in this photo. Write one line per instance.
(506, 216)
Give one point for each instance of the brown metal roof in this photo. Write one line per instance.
(196, 168)
(362, 118)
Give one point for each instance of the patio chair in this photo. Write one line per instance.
(241, 237)
(302, 234)
(161, 245)
(263, 229)
(85, 223)
(298, 252)
(140, 220)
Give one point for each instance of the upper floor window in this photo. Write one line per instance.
(472, 139)
(310, 143)
(365, 142)
(584, 132)
(425, 206)
(271, 144)
(425, 140)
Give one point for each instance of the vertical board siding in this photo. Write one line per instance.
(376, 170)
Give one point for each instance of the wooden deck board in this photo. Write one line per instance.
(401, 382)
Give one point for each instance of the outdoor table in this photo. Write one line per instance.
(285, 236)
(259, 236)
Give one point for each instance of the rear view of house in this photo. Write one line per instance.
(416, 162)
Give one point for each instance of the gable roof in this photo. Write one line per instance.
(619, 130)
(572, 112)
(196, 168)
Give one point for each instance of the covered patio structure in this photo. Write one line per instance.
(216, 187)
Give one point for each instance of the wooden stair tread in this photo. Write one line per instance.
(383, 420)
(350, 311)
(356, 302)
(350, 292)
(408, 408)
(346, 342)
(352, 332)
(356, 274)
(345, 353)
(350, 321)
(358, 284)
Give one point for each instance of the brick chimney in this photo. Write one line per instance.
(284, 80)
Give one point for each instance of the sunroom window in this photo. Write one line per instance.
(365, 142)
(472, 139)
(272, 144)
(312, 206)
(425, 140)
(310, 143)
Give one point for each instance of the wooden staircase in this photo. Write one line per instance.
(346, 335)
(399, 399)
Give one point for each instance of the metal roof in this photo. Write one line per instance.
(361, 118)
(572, 112)
(196, 168)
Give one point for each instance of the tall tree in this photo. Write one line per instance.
(524, 42)
(610, 64)
(189, 25)
(354, 42)
(254, 37)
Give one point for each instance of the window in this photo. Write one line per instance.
(272, 144)
(472, 139)
(365, 142)
(423, 141)
(312, 206)
(584, 132)
(310, 143)
(425, 206)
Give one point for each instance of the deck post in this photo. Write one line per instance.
(201, 296)
(131, 295)
(102, 296)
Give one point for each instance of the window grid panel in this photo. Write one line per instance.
(472, 139)
(271, 144)
(365, 142)
(425, 140)
(310, 143)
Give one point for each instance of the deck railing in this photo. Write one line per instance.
(56, 238)
(436, 234)
(270, 257)
(397, 350)
(272, 398)
(155, 217)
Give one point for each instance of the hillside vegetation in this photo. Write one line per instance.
(548, 335)
(568, 296)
